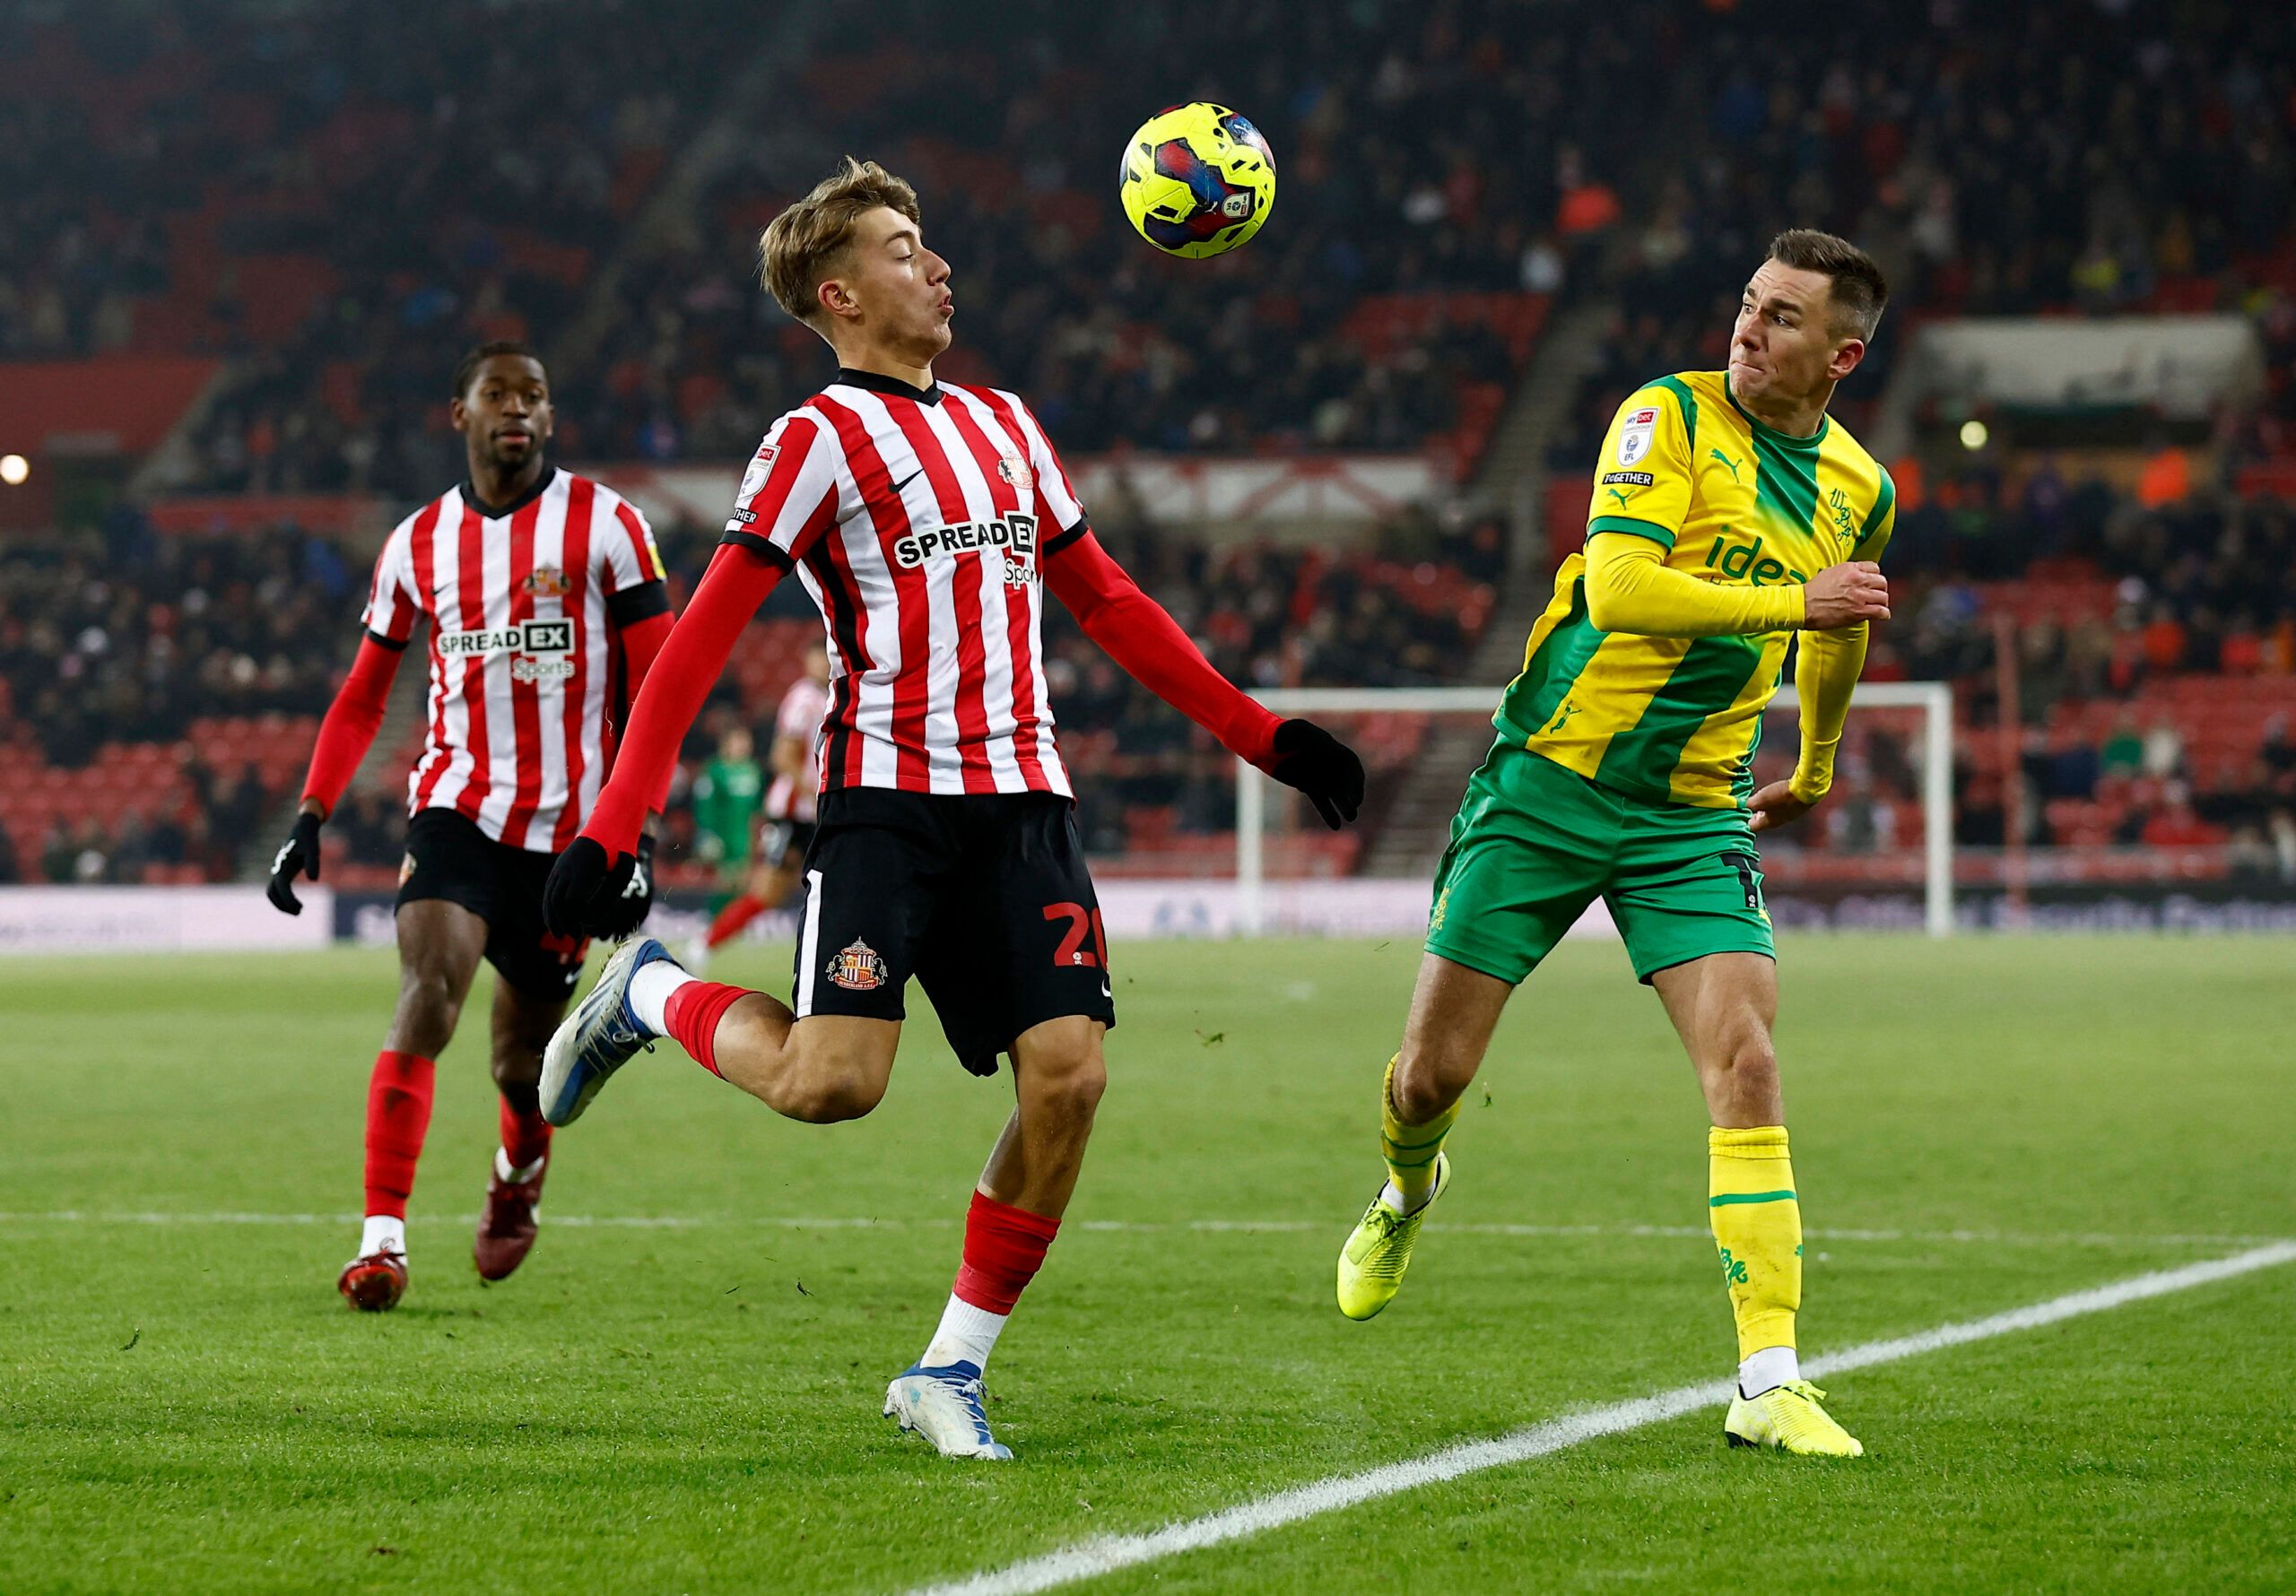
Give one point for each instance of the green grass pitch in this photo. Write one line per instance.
(692, 1405)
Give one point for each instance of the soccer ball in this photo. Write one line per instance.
(1198, 180)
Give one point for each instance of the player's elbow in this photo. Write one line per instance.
(1608, 609)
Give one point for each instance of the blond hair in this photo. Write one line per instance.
(808, 243)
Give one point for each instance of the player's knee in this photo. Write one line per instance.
(823, 1091)
(517, 1068)
(1743, 1057)
(1069, 1085)
(1427, 1081)
(827, 1100)
(427, 1010)
(1745, 1049)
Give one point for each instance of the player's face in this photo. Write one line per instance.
(506, 411)
(900, 288)
(1785, 349)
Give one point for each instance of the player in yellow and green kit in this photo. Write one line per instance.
(1729, 513)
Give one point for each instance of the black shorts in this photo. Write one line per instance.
(448, 857)
(983, 897)
(777, 839)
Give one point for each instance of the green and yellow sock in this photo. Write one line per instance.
(1410, 1150)
(1758, 1230)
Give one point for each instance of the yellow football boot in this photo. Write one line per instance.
(1372, 1263)
(1787, 1416)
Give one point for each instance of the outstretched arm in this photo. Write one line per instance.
(641, 642)
(677, 680)
(1141, 635)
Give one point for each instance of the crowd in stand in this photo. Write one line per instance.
(96, 647)
(383, 187)
(132, 639)
(344, 199)
(1418, 150)
(2067, 160)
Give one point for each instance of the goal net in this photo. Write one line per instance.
(1877, 853)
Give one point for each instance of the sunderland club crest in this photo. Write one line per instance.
(857, 966)
(547, 581)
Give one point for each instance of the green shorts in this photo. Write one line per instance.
(1533, 844)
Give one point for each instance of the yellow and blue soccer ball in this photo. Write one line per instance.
(1198, 180)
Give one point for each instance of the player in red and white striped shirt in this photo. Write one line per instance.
(547, 603)
(926, 520)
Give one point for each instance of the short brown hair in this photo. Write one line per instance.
(806, 244)
(1859, 289)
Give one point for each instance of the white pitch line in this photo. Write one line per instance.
(2085, 1238)
(1108, 1553)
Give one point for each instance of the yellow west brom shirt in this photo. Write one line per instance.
(1677, 719)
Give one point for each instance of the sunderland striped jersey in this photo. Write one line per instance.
(803, 709)
(523, 606)
(1676, 719)
(916, 519)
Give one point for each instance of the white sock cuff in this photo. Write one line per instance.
(383, 1233)
(1768, 1369)
(967, 1334)
(504, 1170)
(649, 993)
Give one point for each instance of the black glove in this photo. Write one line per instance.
(582, 895)
(623, 912)
(1311, 759)
(297, 855)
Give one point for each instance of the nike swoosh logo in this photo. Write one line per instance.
(906, 481)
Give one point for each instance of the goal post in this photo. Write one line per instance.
(1933, 700)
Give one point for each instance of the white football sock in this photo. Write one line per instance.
(504, 1170)
(967, 1335)
(649, 993)
(1767, 1370)
(385, 1233)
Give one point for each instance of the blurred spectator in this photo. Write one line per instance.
(2164, 750)
(2123, 753)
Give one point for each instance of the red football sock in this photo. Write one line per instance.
(691, 1017)
(1004, 1248)
(398, 1113)
(526, 1134)
(736, 914)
